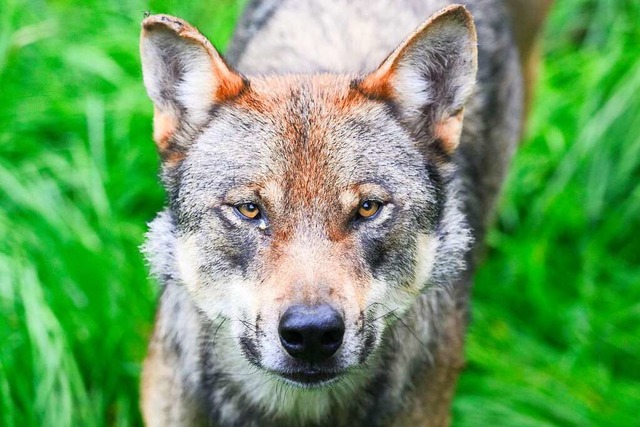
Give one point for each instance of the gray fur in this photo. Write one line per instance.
(212, 381)
(364, 33)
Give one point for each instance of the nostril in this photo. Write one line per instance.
(292, 337)
(332, 337)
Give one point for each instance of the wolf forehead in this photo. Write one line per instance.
(306, 137)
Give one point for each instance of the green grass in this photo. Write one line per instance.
(555, 337)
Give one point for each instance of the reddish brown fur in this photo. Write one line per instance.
(378, 84)
(164, 126)
(309, 194)
(164, 129)
(229, 83)
(312, 258)
(448, 132)
(308, 150)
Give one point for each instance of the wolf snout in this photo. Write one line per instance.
(311, 334)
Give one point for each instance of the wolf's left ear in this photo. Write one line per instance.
(431, 75)
(185, 77)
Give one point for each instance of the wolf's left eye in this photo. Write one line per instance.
(369, 208)
(248, 210)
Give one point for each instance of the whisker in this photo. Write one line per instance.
(247, 325)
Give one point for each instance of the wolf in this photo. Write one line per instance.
(328, 186)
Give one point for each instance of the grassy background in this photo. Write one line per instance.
(555, 338)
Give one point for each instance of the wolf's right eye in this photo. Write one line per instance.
(369, 208)
(248, 210)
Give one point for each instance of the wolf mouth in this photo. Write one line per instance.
(310, 378)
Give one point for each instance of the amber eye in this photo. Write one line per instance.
(369, 208)
(248, 210)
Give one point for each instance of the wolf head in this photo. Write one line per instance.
(309, 211)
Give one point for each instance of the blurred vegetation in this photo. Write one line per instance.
(555, 337)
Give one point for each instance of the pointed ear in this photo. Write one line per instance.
(185, 77)
(431, 75)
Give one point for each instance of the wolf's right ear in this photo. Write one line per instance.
(431, 75)
(185, 77)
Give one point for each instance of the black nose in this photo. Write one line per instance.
(312, 334)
